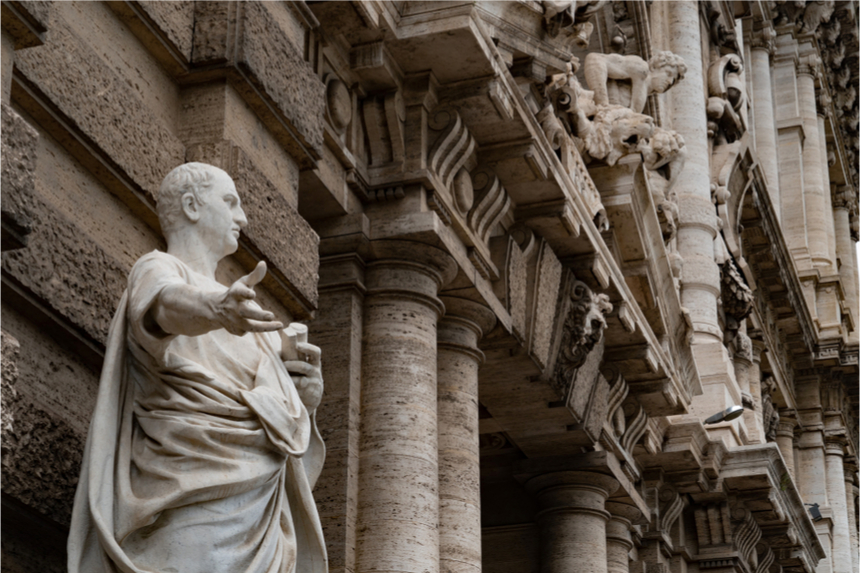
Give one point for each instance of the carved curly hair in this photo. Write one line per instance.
(194, 178)
(665, 59)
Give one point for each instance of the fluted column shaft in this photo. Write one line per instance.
(813, 181)
(572, 520)
(841, 556)
(765, 127)
(458, 360)
(398, 509)
(697, 222)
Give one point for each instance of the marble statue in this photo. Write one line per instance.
(203, 447)
(629, 80)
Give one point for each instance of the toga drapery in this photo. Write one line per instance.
(200, 456)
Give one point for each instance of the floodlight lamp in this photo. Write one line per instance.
(814, 511)
(726, 415)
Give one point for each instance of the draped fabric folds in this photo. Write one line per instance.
(200, 456)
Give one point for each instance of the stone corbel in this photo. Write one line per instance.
(736, 296)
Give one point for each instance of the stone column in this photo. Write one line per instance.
(813, 176)
(841, 556)
(823, 113)
(618, 539)
(458, 358)
(761, 45)
(811, 477)
(572, 520)
(697, 222)
(785, 440)
(843, 203)
(398, 508)
(850, 470)
(755, 422)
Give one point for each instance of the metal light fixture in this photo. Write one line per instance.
(726, 415)
(814, 511)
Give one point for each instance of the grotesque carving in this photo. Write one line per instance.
(629, 80)
(770, 415)
(663, 156)
(736, 296)
(583, 329)
(203, 447)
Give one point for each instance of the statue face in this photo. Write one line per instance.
(221, 216)
(663, 78)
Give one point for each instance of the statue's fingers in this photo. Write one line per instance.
(297, 367)
(255, 276)
(262, 326)
(255, 313)
(312, 353)
(240, 291)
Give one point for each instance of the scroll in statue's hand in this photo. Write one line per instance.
(302, 361)
(236, 313)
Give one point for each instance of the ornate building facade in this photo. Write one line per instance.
(539, 244)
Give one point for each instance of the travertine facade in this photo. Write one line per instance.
(530, 288)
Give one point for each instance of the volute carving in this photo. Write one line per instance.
(726, 91)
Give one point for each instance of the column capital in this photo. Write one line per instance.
(786, 426)
(465, 322)
(408, 270)
(843, 197)
(835, 445)
(809, 64)
(573, 491)
(762, 38)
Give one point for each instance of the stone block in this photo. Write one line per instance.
(175, 20)
(19, 144)
(266, 69)
(26, 22)
(100, 107)
(68, 271)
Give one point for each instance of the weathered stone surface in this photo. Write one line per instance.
(18, 154)
(282, 73)
(67, 270)
(547, 283)
(175, 20)
(102, 106)
(41, 454)
(26, 21)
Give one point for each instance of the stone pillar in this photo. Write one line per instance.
(841, 556)
(458, 358)
(572, 520)
(618, 539)
(843, 203)
(850, 470)
(697, 222)
(761, 45)
(398, 508)
(830, 231)
(785, 440)
(754, 419)
(813, 176)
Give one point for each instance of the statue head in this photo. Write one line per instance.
(665, 68)
(202, 199)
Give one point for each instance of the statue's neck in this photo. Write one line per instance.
(186, 246)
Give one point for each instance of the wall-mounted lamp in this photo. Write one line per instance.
(726, 415)
(814, 512)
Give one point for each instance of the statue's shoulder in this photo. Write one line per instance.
(157, 263)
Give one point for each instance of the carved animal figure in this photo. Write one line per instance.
(614, 132)
(628, 80)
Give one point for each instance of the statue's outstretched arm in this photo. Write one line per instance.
(184, 309)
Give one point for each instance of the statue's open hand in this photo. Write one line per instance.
(235, 310)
